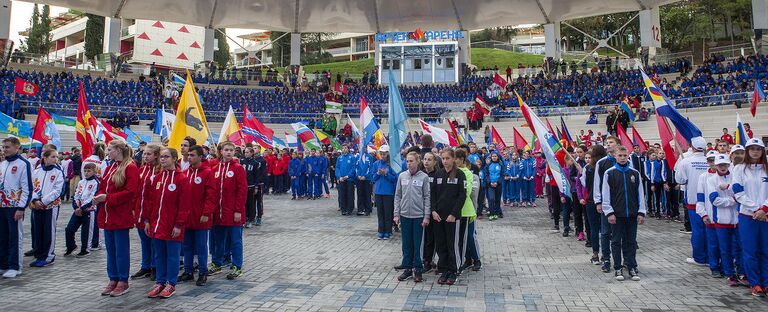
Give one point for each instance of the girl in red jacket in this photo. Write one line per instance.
(230, 190)
(200, 218)
(150, 167)
(116, 196)
(164, 221)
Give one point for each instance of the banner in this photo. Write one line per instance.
(333, 107)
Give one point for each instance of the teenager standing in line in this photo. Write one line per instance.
(149, 167)
(384, 181)
(412, 211)
(117, 195)
(48, 182)
(593, 216)
(467, 234)
(448, 195)
(17, 191)
(428, 242)
(200, 218)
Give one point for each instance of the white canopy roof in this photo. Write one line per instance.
(365, 16)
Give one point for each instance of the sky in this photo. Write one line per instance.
(21, 12)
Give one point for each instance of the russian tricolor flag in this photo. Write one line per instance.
(304, 134)
(367, 122)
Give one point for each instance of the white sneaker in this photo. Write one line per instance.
(11, 274)
(691, 261)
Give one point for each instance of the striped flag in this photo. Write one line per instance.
(741, 135)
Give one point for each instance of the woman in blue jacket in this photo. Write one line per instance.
(294, 168)
(495, 171)
(384, 180)
(513, 172)
(527, 173)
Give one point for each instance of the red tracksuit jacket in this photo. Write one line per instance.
(230, 190)
(200, 187)
(284, 162)
(271, 163)
(145, 173)
(169, 201)
(117, 211)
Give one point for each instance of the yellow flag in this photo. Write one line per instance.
(230, 126)
(190, 118)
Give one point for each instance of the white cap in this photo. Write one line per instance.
(737, 147)
(371, 150)
(384, 148)
(711, 154)
(722, 159)
(753, 142)
(699, 143)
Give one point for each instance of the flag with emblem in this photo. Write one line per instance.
(86, 124)
(190, 118)
(45, 130)
(25, 87)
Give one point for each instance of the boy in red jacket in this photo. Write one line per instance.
(271, 161)
(230, 190)
(164, 221)
(200, 216)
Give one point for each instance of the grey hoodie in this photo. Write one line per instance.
(412, 195)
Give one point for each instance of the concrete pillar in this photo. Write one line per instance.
(5, 19)
(464, 48)
(650, 34)
(209, 42)
(376, 53)
(759, 21)
(552, 40)
(112, 27)
(295, 48)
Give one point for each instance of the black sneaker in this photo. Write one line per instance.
(606, 268)
(443, 279)
(141, 274)
(406, 275)
(619, 275)
(201, 280)
(717, 274)
(428, 267)
(466, 265)
(82, 254)
(565, 232)
(70, 251)
(477, 266)
(186, 277)
(555, 228)
(234, 272)
(588, 244)
(153, 274)
(29, 253)
(399, 267)
(417, 278)
(501, 216)
(595, 260)
(633, 274)
(451, 279)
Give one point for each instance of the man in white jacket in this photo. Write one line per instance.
(687, 172)
(15, 193)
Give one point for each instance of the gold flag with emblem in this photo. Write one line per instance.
(190, 118)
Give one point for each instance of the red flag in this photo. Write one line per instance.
(482, 106)
(110, 133)
(39, 132)
(666, 138)
(757, 96)
(623, 137)
(455, 133)
(497, 80)
(254, 130)
(496, 139)
(26, 88)
(86, 124)
(681, 141)
(549, 127)
(519, 141)
(638, 140)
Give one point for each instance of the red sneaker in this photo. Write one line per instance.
(732, 281)
(758, 291)
(168, 291)
(110, 287)
(155, 291)
(120, 289)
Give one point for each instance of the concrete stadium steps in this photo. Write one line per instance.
(711, 120)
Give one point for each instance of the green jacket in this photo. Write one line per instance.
(468, 210)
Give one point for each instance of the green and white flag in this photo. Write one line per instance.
(63, 123)
(333, 107)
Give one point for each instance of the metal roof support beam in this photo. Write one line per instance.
(456, 13)
(213, 13)
(543, 13)
(119, 8)
(602, 43)
(296, 16)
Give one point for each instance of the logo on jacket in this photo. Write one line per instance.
(171, 187)
(90, 187)
(159, 183)
(765, 179)
(632, 179)
(14, 169)
(53, 177)
(198, 180)
(230, 174)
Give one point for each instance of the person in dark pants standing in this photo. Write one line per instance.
(249, 164)
(428, 253)
(623, 204)
(384, 181)
(365, 172)
(448, 195)
(261, 182)
(345, 173)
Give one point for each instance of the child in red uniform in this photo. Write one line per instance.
(149, 168)
(116, 196)
(164, 221)
(229, 194)
(200, 216)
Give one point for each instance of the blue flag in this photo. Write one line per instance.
(15, 127)
(397, 118)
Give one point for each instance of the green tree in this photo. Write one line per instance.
(45, 29)
(313, 44)
(33, 34)
(221, 56)
(94, 36)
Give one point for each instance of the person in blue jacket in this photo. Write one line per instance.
(323, 161)
(318, 173)
(313, 166)
(495, 170)
(345, 176)
(364, 171)
(305, 189)
(513, 172)
(294, 168)
(384, 179)
(506, 181)
(527, 173)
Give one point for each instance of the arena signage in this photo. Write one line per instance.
(419, 36)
